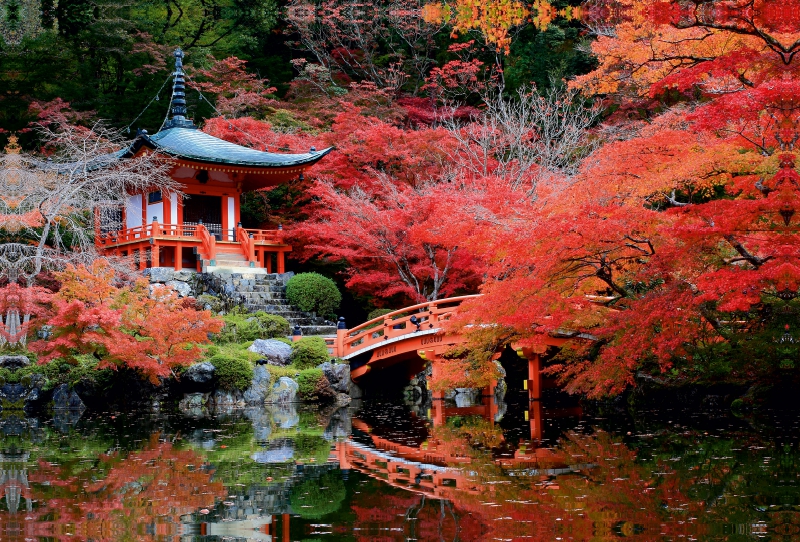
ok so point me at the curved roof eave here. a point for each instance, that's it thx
(192, 144)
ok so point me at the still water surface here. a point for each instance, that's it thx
(387, 472)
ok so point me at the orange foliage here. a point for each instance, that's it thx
(122, 325)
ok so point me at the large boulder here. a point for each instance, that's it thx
(160, 274)
(66, 399)
(338, 374)
(183, 288)
(259, 387)
(283, 391)
(273, 351)
(355, 391)
(200, 373)
(184, 274)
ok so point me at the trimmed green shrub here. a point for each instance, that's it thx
(378, 312)
(309, 352)
(233, 373)
(249, 327)
(272, 325)
(311, 292)
(313, 386)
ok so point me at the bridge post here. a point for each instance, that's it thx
(341, 335)
(435, 370)
(535, 376)
(534, 387)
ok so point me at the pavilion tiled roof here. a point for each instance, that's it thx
(194, 144)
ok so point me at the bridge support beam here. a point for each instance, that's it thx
(534, 387)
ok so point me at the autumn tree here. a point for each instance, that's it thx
(397, 241)
(389, 45)
(675, 252)
(51, 203)
(122, 325)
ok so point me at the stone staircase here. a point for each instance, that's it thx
(267, 292)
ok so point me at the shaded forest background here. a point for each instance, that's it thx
(109, 58)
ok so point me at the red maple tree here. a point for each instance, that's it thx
(122, 325)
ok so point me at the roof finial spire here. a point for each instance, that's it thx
(179, 119)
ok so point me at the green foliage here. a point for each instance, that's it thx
(312, 292)
(243, 327)
(313, 386)
(537, 56)
(378, 312)
(309, 352)
(311, 502)
(60, 371)
(233, 372)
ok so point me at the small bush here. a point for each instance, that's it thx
(313, 386)
(309, 352)
(272, 325)
(249, 327)
(311, 292)
(233, 372)
(378, 312)
(83, 369)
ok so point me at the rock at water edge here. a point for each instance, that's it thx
(275, 352)
(259, 387)
(66, 399)
(200, 373)
(338, 374)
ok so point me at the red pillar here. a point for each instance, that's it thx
(285, 525)
(281, 262)
(535, 377)
(178, 256)
(535, 417)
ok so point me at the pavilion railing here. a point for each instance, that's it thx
(208, 244)
(156, 229)
(140, 233)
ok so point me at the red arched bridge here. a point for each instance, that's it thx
(414, 336)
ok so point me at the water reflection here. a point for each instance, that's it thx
(377, 471)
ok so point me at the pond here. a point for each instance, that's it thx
(386, 471)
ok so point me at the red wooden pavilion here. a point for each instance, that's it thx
(200, 228)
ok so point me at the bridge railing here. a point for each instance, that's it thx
(425, 316)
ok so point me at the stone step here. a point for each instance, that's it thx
(261, 289)
(274, 297)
